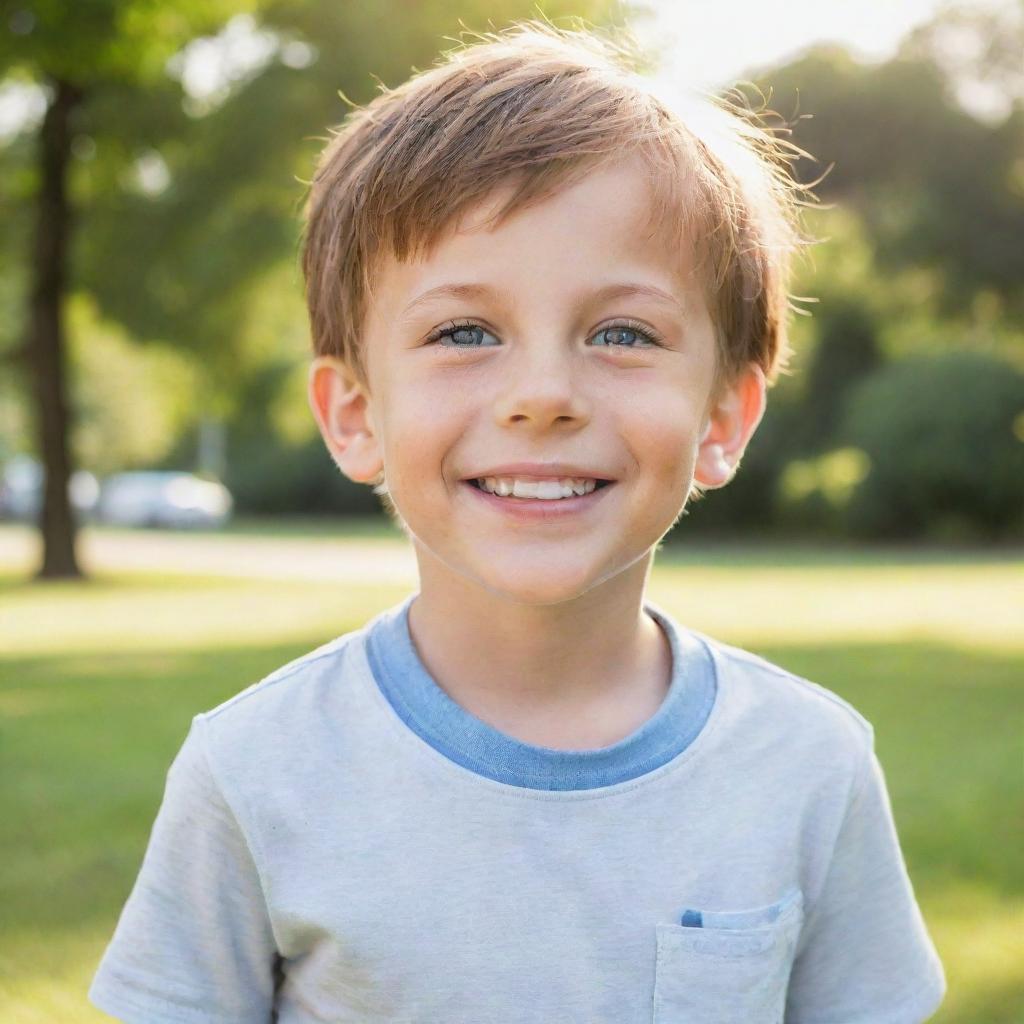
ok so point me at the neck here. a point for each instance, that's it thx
(582, 674)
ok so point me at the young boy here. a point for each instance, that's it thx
(545, 311)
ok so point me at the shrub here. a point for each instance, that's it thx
(814, 494)
(944, 437)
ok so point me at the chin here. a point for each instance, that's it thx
(538, 584)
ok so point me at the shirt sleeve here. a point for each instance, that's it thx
(865, 955)
(194, 943)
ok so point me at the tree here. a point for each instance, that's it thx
(938, 186)
(75, 52)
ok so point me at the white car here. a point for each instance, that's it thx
(21, 489)
(163, 498)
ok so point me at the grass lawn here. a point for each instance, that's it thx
(98, 683)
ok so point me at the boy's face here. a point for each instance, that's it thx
(573, 337)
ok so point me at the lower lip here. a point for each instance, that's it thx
(538, 509)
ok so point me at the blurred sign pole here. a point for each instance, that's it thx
(211, 450)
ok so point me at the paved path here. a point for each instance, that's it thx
(966, 604)
(326, 559)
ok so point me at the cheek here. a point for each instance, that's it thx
(424, 424)
(663, 434)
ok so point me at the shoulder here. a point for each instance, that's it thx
(779, 710)
(281, 683)
(288, 738)
(292, 707)
(791, 687)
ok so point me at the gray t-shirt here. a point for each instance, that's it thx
(343, 842)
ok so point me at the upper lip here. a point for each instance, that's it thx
(540, 470)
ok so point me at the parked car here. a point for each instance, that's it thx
(21, 489)
(163, 498)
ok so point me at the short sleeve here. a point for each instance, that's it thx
(865, 955)
(193, 944)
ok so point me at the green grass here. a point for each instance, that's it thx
(98, 682)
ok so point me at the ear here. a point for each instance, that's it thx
(342, 411)
(729, 425)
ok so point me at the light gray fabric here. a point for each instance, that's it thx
(315, 860)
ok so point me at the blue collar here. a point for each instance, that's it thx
(467, 740)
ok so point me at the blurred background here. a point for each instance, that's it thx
(172, 527)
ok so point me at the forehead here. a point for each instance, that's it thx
(609, 223)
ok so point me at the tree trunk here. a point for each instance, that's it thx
(45, 342)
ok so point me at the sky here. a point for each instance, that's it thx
(711, 43)
(705, 44)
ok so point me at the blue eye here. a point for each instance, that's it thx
(469, 335)
(462, 336)
(619, 336)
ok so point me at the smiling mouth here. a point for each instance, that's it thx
(598, 485)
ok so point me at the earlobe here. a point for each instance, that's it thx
(341, 409)
(730, 426)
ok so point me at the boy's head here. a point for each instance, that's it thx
(544, 196)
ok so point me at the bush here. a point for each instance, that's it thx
(814, 494)
(274, 478)
(944, 435)
(847, 353)
(270, 473)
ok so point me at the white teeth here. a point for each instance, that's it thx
(548, 490)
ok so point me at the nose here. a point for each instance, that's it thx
(543, 386)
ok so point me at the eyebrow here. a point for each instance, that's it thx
(608, 292)
(448, 291)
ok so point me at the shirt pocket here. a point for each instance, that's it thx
(734, 968)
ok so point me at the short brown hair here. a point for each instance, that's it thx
(538, 107)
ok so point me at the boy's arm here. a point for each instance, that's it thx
(194, 942)
(865, 956)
